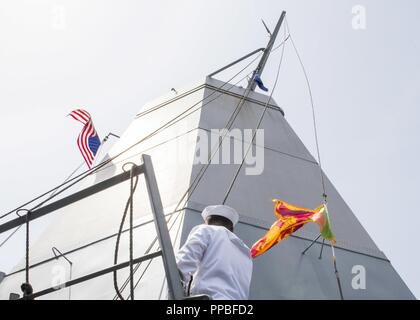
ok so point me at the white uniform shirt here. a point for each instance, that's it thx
(219, 261)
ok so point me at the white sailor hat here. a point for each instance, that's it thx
(221, 210)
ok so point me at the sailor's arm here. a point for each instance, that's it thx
(190, 255)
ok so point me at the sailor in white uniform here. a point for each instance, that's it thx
(213, 260)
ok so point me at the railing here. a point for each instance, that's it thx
(175, 289)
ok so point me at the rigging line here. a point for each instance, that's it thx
(281, 44)
(191, 112)
(26, 287)
(257, 127)
(10, 235)
(253, 60)
(147, 252)
(204, 168)
(54, 190)
(104, 140)
(47, 192)
(71, 174)
(168, 124)
(324, 195)
(92, 170)
(117, 243)
(27, 247)
(161, 106)
(131, 233)
(149, 249)
(151, 260)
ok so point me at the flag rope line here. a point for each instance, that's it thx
(324, 195)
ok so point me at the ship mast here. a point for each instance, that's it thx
(267, 51)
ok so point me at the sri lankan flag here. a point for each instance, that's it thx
(290, 219)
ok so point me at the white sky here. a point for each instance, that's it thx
(110, 57)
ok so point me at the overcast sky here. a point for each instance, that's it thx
(111, 57)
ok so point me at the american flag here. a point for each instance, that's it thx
(88, 140)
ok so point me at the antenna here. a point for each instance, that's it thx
(264, 58)
(266, 28)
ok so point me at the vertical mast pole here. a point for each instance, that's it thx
(264, 58)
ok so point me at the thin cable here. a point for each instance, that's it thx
(55, 189)
(163, 105)
(147, 251)
(10, 235)
(203, 170)
(324, 195)
(150, 260)
(27, 247)
(104, 140)
(257, 127)
(71, 174)
(117, 243)
(193, 186)
(131, 233)
(26, 287)
(281, 44)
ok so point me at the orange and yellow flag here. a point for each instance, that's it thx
(292, 218)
